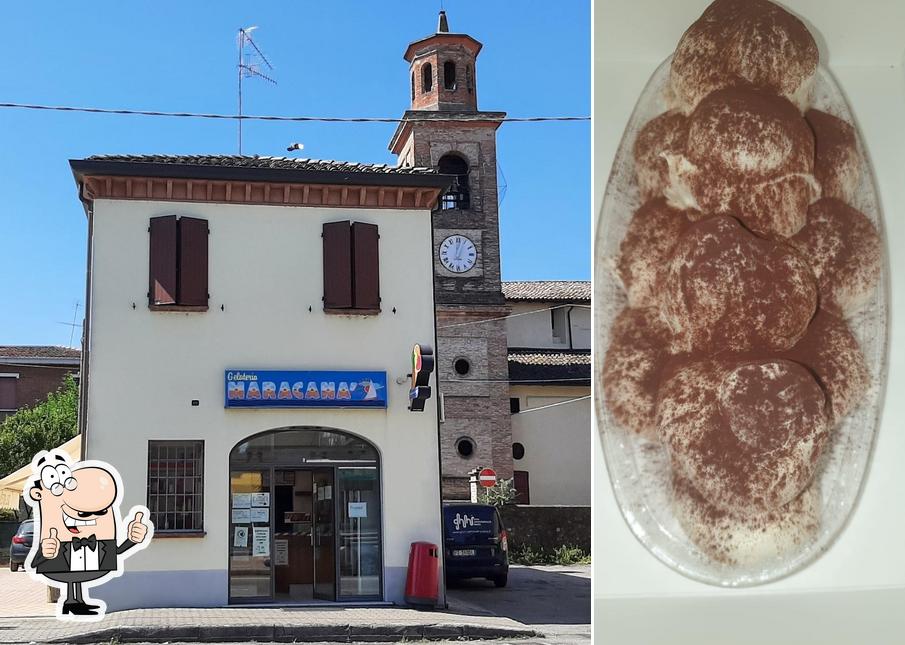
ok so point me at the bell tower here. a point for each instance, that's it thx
(444, 129)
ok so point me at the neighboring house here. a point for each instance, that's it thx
(549, 337)
(28, 373)
(249, 333)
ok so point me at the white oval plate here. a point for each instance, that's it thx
(638, 468)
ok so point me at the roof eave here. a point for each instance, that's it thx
(89, 167)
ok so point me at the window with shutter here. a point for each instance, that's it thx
(8, 393)
(337, 265)
(365, 267)
(178, 273)
(351, 268)
(162, 288)
(193, 234)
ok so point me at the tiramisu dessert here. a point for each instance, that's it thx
(740, 268)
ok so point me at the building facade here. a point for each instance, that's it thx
(549, 338)
(249, 332)
(28, 373)
(445, 130)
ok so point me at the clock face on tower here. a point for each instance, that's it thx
(458, 254)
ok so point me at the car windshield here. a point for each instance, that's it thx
(465, 523)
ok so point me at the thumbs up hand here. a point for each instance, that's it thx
(137, 531)
(50, 546)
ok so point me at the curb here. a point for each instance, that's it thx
(386, 633)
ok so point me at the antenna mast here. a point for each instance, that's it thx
(250, 66)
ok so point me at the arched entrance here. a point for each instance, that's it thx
(305, 517)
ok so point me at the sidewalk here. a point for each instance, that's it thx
(337, 624)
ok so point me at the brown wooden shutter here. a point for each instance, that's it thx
(337, 265)
(193, 234)
(162, 274)
(365, 266)
(8, 393)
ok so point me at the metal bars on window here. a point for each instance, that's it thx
(176, 485)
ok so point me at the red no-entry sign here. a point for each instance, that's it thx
(487, 478)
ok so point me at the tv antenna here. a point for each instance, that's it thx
(73, 325)
(250, 65)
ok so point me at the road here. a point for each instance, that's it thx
(555, 601)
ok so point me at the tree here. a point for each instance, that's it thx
(43, 426)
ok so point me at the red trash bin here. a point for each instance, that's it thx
(422, 584)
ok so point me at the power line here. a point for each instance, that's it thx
(521, 313)
(553, 405)
(259, 117)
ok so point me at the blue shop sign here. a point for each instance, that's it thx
(291, 389)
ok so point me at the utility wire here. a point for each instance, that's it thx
(553, 405)
(521, 313)
(259, 117)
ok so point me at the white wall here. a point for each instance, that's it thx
(536, 329)
(265, 271)
(557, 443)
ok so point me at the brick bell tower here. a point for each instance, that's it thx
(444, 129)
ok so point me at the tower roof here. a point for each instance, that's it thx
(442, 37)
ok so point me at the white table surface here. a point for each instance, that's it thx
(857, 588)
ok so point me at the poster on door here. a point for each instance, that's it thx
(280, 553)
(260, 541)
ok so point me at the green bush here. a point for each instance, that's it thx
(563, 555)
(501, 493)
(43, 426)
(8, 515)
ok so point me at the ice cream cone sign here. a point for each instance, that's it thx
(370, 389)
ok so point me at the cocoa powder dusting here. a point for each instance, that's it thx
(836, 160)
(664, 134)
(844, 251)
(651, 236)
(750, 154)
(639, 347)
(743, 41)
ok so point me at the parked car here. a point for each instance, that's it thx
(476, 543)
(21, 544)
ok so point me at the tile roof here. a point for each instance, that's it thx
(548, 290)
(553, 367)
(43, 352)
(274, 163)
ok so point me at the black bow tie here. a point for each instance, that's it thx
(90, 542)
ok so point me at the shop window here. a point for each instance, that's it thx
(465, 447)
(178, 272)
(449, 75)
(462, 366)
(176, 485)
(427, 78)
(458, 195)
(8, 392)
(351, 268)
(518, 451)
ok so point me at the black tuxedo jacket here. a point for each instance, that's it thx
(107, 550)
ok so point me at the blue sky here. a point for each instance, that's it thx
(331, 58)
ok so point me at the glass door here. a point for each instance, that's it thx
(358, 499)
(324, 535)
(249, 555)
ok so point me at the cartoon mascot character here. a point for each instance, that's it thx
(80, 537)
